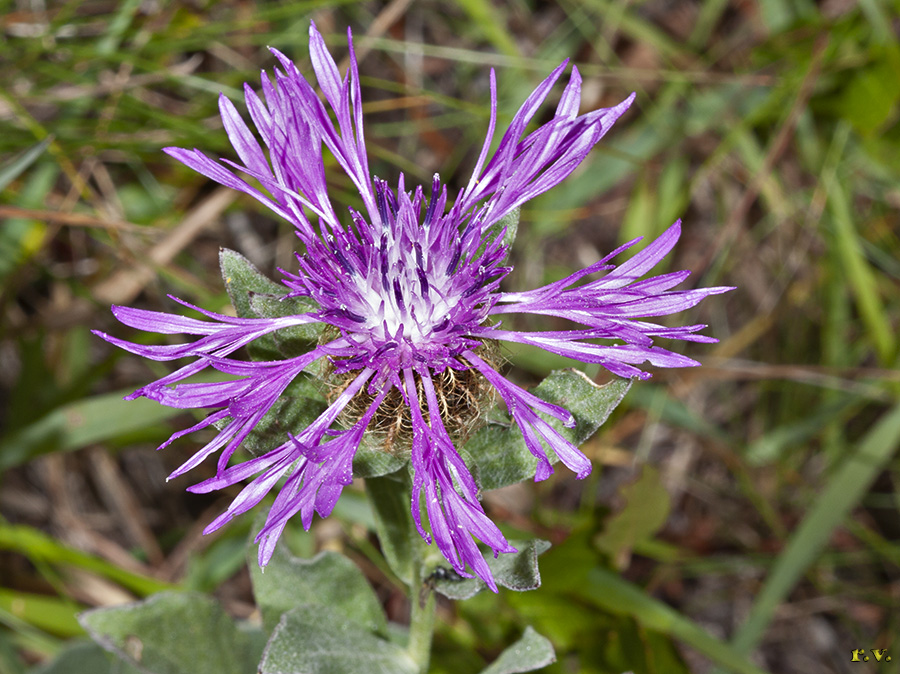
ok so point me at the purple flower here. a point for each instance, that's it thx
(409, 288)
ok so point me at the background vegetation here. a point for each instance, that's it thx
(744, 512)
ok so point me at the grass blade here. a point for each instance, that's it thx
(844, 491)
(39, 547)
(616, 595)
(859, 273)
(12, 169)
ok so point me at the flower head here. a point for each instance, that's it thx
(410, 289)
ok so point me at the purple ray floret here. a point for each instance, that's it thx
(409, 286)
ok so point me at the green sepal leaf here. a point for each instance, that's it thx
(498, 452)
(315, 639)
(529, 653)
(389, 497)
(254, 295)
(515, 570)
(175, 633)
(327, 580)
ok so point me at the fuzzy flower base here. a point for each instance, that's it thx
(410, 289)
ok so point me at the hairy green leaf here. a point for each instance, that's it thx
(328, 579)
(515, 570)
(82, 658)
(254, 295)
(498, 451)
(296, 409)
(175, 633)
(529, 653)
(316, 639)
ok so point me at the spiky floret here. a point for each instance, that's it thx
(409, 288)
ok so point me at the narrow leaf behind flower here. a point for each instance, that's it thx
(13, 168)
(50, 614)
(371, 461)
(41, 549)
(78, 424)
(579, 590)
(844, 491)
(616, 595)
(254, 295)
(508, 224)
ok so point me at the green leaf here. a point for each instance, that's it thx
(254, 295)
(498, 451)
(294, 410)
(175, 633)
(492, 23)
(293, 341)
(389, 497)
(85, 658)
(871, 96)
(10, 660)
(861, 276)
(22, 238)
(575, 580)
(510, 222)
(241, 278)
(640, 216)
(515, 570)
(771, 446)
(371, 460)
(529, 653)
(646, 509)
(315, 639)
(327, 580)
(616, 595)
(79, 658)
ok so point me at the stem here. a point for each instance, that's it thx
(421, 618)
(406, 554)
